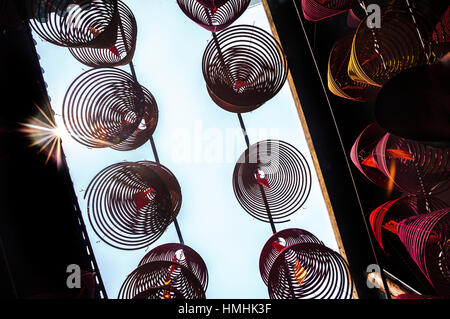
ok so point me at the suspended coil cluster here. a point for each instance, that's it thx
(339, 82)
(108, 108)
(214, 19)
(405, 165)
(244, 67)
(170, 271)
(294, 264)
(427, 239)
(119, 53)
(288, 175)
(131, 204)
(68, 23)
(315, 10)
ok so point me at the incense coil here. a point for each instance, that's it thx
(190, 259)
(378, 54)
(108, 108)
(244, 67)
(398, 210)
(67, 23)
(210, 19)
(314, 10)
(212, 4)
(427, 239)
(155, 280)
(122, 209)
(339, 83)
(269, 253)
(310, 271)
(287, 173)
(412, 167)
(121, 53)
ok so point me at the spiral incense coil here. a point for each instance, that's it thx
(75, 23)
(315, 10)
(282, 240)
(275, 171)
(121, 53)
(244, 67)
(161, 280)
(182, 254)
(214, 20)
(362, 154)
(339, 82)
(386, 216)
(378, 54)
(412, 167)
(108, 108)
(309, 271)
(427, 239)
(130, 204)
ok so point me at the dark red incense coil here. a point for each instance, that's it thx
(130, 204)
(412, 167)
(309, 271)
(394, 211)
(288, 237)
(427, 239)
(121, 52)
(214, 20)
(403, 42)
(284, 177)
(362, 154)
(339, 82)
(182, 254)
(69, 23)
(161, 280)
(108, 108)
(315, 10)
(244, 67)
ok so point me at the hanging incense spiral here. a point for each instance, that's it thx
(108, 108)
(275, 172)
(131, 204)
(244, 67)
(68, 23)
(214, 20)
(121, 52)
(315, 10)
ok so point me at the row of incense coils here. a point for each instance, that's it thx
(416, 224)
(131, 204)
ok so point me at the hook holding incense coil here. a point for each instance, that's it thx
(244, 67)
(67, 23)
(121, 52)
(275, 171)
(108, 108)
(214, 20)
(130, 204)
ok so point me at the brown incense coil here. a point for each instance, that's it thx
(244, 67)
(309, 271)
(315, 10)
(69, 23)
(211, 20)
(398, 210)
(412, 167)
(339, 82)
(108, 108)
(288, 237)
(403, 42)
(182, 254)
(161, 280)
(121, 53)
(362, 154)
(427, 239)
(287, 173)
(130, 204)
